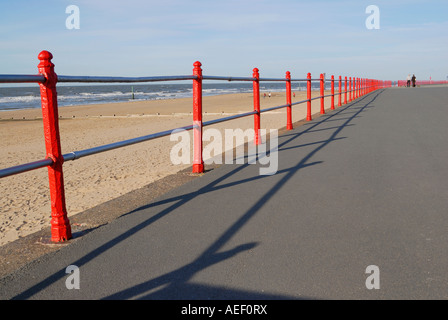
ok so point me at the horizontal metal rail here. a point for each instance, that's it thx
(228, 78)
(21, 78)
(299, 102)
(87, 152)
(205, 77)
(122, 79)
(241, 115)
(25, 167)
(272, 79)
(274, 108)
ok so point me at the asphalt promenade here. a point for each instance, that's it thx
(363, 185)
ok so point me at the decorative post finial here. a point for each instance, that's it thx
(256, 73)
(46, 68)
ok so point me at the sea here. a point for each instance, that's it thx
(14, 97)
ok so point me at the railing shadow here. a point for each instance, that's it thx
(171, 283)
(216, 185)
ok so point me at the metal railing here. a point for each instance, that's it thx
(47, 80)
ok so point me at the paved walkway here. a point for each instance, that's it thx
(366, 184)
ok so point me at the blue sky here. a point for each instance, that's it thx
(230, 38)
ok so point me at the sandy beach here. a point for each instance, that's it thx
(90, 181)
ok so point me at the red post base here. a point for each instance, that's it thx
(198, 168)
(60, 229)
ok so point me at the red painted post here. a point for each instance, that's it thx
(340, 92)
(359, 86)
(322, 93)
(350, 90)
(308, 97)
(198, 163)
(288, 101)
(345, 93)
(332, 93)
(256, 88)
(60, 225)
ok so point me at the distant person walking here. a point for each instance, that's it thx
(408, 80)
(413, 80)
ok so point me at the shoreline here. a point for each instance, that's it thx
(91, 181)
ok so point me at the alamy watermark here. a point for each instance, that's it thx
(373, 20)
(373, 280)
(73, 20)
(224, 145)
(73, 280)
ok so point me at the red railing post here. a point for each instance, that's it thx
(332, 93)
(198, 163)
(60, 225)
(345, 93)
(340, 92)
(308, 97)
(256, 89)
(350, 90)
(288, 101)
(322, 93)
(359, 87)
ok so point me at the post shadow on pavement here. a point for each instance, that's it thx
(174, 284)
(281, 146)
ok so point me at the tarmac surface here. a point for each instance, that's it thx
(360, 199)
